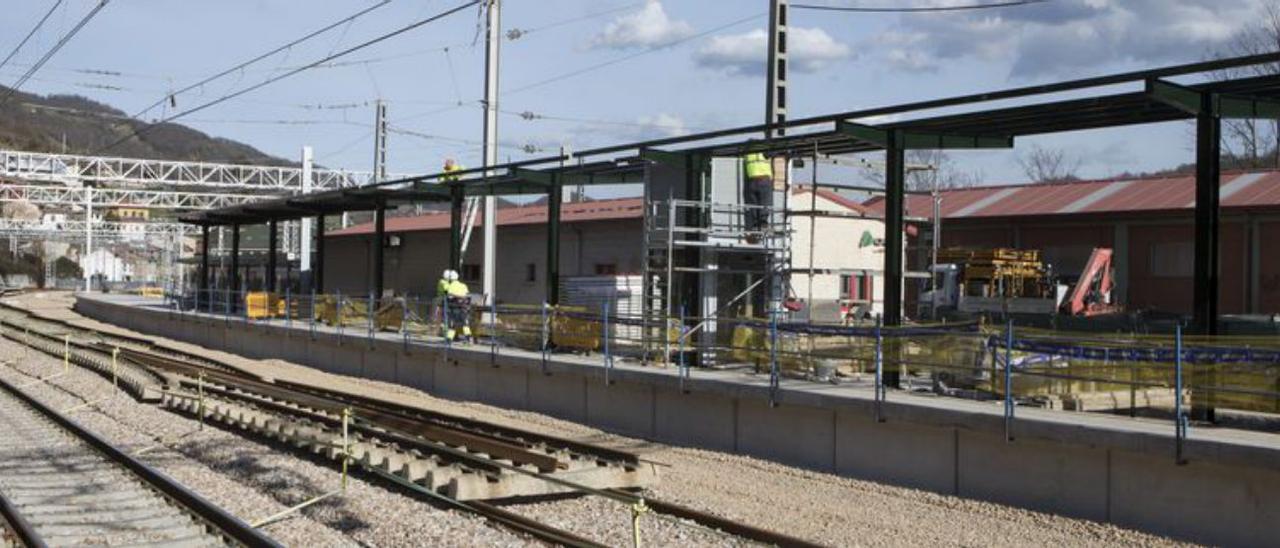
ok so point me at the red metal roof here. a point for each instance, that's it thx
(1238, 189)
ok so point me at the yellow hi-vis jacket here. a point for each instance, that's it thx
(442, 287)
(449, 170)
(757, 166)
(458, 289)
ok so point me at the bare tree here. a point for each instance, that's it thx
(927, 168)
(1252, 143)
(1044, 165)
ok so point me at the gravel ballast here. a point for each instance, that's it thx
(259, 479)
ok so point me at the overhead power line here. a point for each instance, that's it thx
(295, 71)
(921, 9)
(628, 57)
(39, 24)
(295, 42)
(518, 33)
(49, 55)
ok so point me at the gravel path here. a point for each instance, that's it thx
(820, 507)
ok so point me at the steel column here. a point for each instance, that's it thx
(235, 260)
(895, 190)
(1208, 174)
(204, 265)
(1205, 285)
(379, 245)
(554, 196)
(895, 200)
(273, 233)
(455, 226)
(318, 269)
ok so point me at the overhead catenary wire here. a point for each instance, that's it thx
(518, 33)
(34, 29)
(628, 57)
(279, 49)
(264, 83)
(54, 50)
(918, 9)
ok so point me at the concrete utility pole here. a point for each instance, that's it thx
(88, 237)
(380, 142)
(304, 239)
(776, 93)
(493, 38)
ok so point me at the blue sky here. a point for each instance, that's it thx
(664, 67)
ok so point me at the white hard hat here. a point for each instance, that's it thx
(451, 275)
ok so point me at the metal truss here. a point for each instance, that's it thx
(71, 169)
(74, 230)
(117, 197)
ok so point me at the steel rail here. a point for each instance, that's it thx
(496, 514)
(230, 526)
(22, 530)
(431, 432)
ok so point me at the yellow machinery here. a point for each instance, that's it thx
(998, 272)
(260, 304)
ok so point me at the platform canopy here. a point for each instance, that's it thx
(1090, 103)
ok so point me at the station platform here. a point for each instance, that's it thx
(1099, 467)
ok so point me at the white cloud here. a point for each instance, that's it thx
(1065, 37)
(647, 28)
(808, 50)
(665, 124)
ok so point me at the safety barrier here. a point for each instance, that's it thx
(1021, 366)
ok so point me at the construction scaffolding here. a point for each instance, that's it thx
(704, 258)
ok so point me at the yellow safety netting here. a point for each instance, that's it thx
(1086, 371)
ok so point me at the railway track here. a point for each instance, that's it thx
(458, 461)
(61, 485)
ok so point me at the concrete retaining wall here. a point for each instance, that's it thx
(1100, 468)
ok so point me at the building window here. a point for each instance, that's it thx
(531, 272)
(1172, 259)
(606, 269)
(470, 273)
(856, 287)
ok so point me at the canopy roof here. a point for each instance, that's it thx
(1094, 104)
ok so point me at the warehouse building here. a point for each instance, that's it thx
(605, 238)
(1147, 221)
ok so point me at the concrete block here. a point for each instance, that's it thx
(502, 386)
(341, 359)
(800, 436)
(417, 370)
(1050, 477)
(1200, 501)
(455, 377)
(901, 453)
(696, 419)
(623, 408)
(563, 396)
(294, 348)
(379, 365)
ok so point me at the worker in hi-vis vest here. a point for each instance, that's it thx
(757, 190)
(455, 297)
(450, 167)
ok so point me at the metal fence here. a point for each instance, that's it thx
(1160, 375)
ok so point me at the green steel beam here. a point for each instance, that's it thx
(662, 156)
(914, 140)
(1188, 100)
(531, 176)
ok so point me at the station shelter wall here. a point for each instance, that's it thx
(414, 267)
